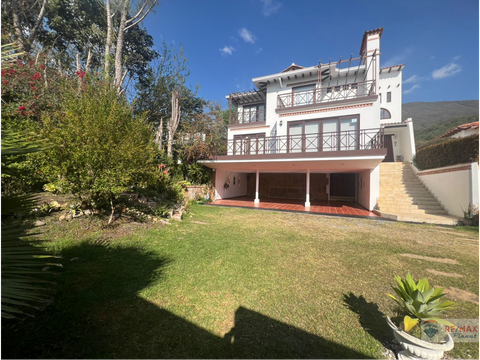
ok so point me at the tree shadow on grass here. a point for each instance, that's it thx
(372, 320)
(98, 313)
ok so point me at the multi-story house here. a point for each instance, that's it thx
(316, 133)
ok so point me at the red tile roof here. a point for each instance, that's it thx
(457, 129)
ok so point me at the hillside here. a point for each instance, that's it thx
(431, 119)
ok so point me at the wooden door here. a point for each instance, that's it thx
(389, 145)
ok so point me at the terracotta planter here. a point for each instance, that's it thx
(416, 348)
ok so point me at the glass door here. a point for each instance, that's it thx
(295, 138)
(312, 143)
(330, 135)
(349, 134)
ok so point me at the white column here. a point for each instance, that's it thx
(307, 201)
(257, 200)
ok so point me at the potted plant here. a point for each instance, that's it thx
(419, 302)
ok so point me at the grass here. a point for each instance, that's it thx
(246, 284)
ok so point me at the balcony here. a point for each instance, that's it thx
(307, 145)
(325, 94)
(248, 117)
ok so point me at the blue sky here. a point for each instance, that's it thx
(229, 42)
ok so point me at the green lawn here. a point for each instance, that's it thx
(245, 283)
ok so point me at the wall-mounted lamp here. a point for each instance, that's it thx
(281, 122)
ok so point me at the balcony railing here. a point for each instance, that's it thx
(326, 94)
(247, 117)
(307, 143)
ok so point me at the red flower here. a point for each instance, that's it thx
(5, 82)
(42, 67)
(80, 74)
(4, 73)
(22, 108)
(165, 172)
(31, 83)
(36, 76)
(33, 88)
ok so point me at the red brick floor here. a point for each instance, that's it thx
(323, 207)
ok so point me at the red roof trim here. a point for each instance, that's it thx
(378, 31)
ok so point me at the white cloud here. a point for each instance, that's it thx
(270, 7)
(227, 50)
(446, 71)
(432, 57)
(397, 59)
(416, 86)
(258, 51)
(457, 57)
(412, 79)
(247, 36)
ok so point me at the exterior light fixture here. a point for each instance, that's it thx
(281, 122)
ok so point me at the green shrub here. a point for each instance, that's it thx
(451, 152)
(98, 147)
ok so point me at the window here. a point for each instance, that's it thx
(389, 97)
(253, 113)
(303, 95)
(380, 95)
(385, 114)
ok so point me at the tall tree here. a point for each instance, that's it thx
(154, 91)
(174, 120)
(140, 9)
(25, 18)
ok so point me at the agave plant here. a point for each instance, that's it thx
(420, 302)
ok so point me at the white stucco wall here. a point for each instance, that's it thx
(239, 189)
(391, 82)
(455, 190)
(465, 133)
(403, 140)
(368, 188)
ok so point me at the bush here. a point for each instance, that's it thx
(98, 147)
(451, 152)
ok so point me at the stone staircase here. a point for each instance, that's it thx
(403, 197)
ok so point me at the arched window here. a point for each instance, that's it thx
(385, 114)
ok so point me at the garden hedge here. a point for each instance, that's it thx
(451, 152)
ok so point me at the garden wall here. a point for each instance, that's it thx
(455, 187)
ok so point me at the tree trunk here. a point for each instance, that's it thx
(174, 120)
(89, 59)
(159, 135)
(37, 26)
(119, 47)
(18, 30)
(108, 42)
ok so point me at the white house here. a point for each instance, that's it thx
(316, 133)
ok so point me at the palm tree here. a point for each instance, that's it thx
(25, 286)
